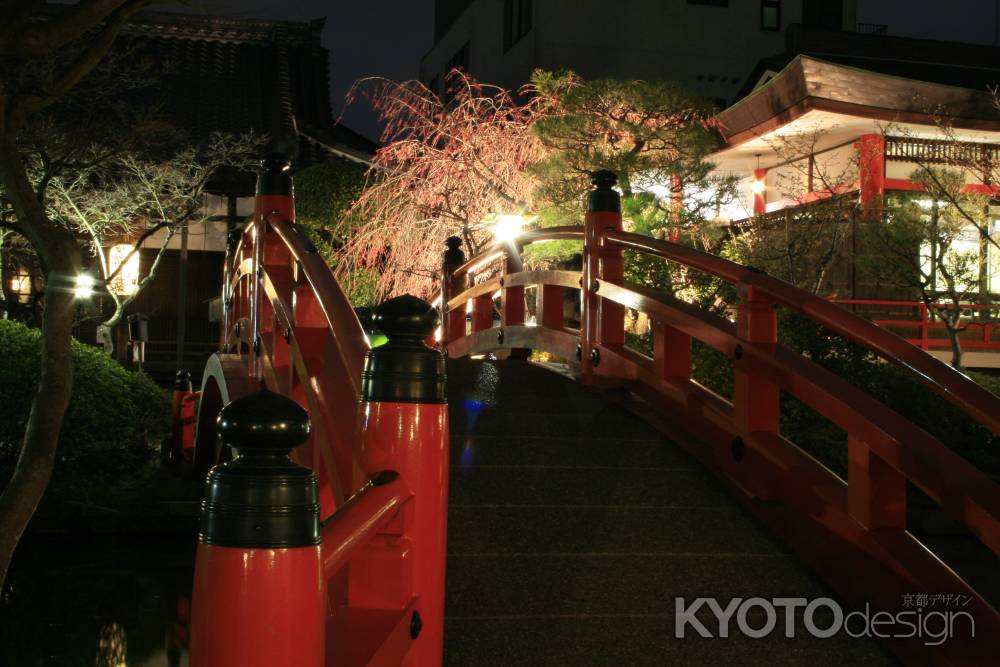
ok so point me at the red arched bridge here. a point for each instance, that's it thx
(611, 510)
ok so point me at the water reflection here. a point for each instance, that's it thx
(98, 602)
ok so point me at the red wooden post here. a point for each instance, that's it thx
(512, 298)
(871, 171)
(512, 308)
(671, 352)
(452, 285)
(405, 429)
(759, 191)
(549, 306)
(876, 492)
(755, 397)
(603, 322)
(482, 312)
(259, 595)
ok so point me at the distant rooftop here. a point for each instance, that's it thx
(972, 66)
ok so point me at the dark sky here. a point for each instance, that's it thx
(365, 38)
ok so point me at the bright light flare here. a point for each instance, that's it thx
(758, 187)
(84, 286)
(508, 227)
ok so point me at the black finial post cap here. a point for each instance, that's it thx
(182, 381)
(264, 422)
(604, 179)
(404, 370)
(603, 197)
(275, 177)
(261, 499)
(406, 317)
(453, 256)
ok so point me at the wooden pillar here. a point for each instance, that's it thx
(755, 396)
(871, 172)
(876, 492)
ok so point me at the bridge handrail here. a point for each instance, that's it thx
(562, 233)
(339, 313)
(944, 380)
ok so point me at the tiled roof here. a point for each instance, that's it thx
(810, 83)
(244, 75)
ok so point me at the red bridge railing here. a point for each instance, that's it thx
(333, 556)
(854, 531)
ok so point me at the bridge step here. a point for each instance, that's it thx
(573, 526)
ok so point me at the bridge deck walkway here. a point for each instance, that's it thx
(573, 526)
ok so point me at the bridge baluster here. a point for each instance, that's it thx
(876, 492)
(549, 306)
(671, 352)
(755, 396)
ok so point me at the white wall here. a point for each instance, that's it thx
(710, 49)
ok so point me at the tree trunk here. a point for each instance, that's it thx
(24, 491)
(956, 347)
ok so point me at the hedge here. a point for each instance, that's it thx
(112, 429)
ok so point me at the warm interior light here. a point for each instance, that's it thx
(508, 227)
(126, 281)
(758, 187)
(84, 286)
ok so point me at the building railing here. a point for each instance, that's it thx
(906, 318)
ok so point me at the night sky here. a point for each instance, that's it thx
(364, 38)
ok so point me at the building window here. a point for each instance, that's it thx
(770, 14)
(711, 3)
(516, 21)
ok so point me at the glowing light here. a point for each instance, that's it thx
(20, 285)
(508, 227)
(126, 281)
(84, 287)
(758, 187)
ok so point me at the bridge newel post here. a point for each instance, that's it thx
(259, 595)
(451, 285)
(603, 321)
(404, 427)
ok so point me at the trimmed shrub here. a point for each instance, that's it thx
(110, 437)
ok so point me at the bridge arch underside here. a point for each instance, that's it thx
(851, 532)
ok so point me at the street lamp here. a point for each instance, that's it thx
(83, 287)
(20, 285)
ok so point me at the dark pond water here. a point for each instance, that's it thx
(98, 601)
